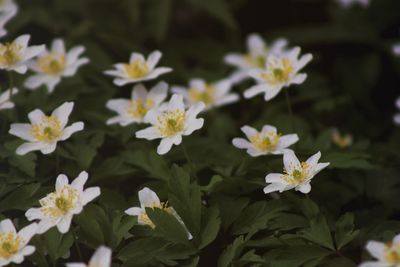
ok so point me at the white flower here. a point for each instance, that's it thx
(280, 71)
(8, 9)
(138, 69)
(296, 175)
(100, 258)
(266, 142)
(133, 110)
(51, 66)
(58, 208)
(340, 140)
(212, 95)
(44, 132)
(349, 3)
(5, 102)
(14, 55)
(396, 49)
(149, 199)
(170, 122)
(257, 53)
(396, 117)
(14, 246)
(387, 254)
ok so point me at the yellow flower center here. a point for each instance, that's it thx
(59, 203)
(392, 253)
(139, 107)
(279, 74)
(52, 64)
(297, 176)
(48, 130)
(9, 244)
(144, 218)
(265, 141)
(207, 96)
(10, 54)
(136, 69)
(171, 122)
(256, 61)
(342, 140)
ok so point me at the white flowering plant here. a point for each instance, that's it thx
(199, 133)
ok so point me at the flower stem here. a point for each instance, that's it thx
(192, 167)
(77, 245)
(289, 106)
(10, 83)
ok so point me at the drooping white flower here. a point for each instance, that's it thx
(387, 254)
(256, 56)
(51, 66)
(266, 142)
(296, 174)
(149, 199)
(212, 95)
(280, 71)
(14, 55)
(396, 117)
(100, 258)
(138, 69)
(349, 3)
(44, 132)
(8, 9)
(134, 110)
(396, 49)
(58, 207)
(340, 140)
(14, 245)
(170, 122)
(5, 102)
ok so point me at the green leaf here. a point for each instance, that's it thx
(345, 232)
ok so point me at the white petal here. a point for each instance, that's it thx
(376, 249)
(176, 102)
(236, 60)
(48, 148)
(101, 257)
(149, 133)
(76, 265)
(62, 180)
(135, 211)
(274, 178)
(28, 147)
(148, 198)
(193, 125)
(249, 131)
(375, 264)
(90, 193)
(274, 187)
(33, 214)
(139, 91)
(136, 56)
(73, 128)
(166, 144)
(28, 250)
(157, 72)
(255, 90)
(7, 226)
(255, 44)
(45, 225)
(63, 112)
(272, 92)
(153, 59)
(22, 130)
(23, 40)
(194, 110)
(287, 140)
(35, 81)
(304, 188)
(118, 105)
(74, 54)
(304, 60)
(79, 182)
(290, 161)
(159, 92)
(58, 46)
(269, 129)
(64, 224)
(36, 116)
(33, 51)
(241, 143)
(28, 232)
(299, 78)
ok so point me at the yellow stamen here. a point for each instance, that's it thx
(207, 96)
(10, 53)
(52, 64)
(136, 69)
(144, 218)
(297, 176)
(48, 130)
(171, 122)
(265, 141)
(139, 107)
(59, 203)
(279, 74)
(255, 61)
(9, 244)
(342, 141)
(392, 253)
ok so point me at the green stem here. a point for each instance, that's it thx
(289, 106)
(10, 83)
(188, 160)
(77, 246)
(57, 162)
